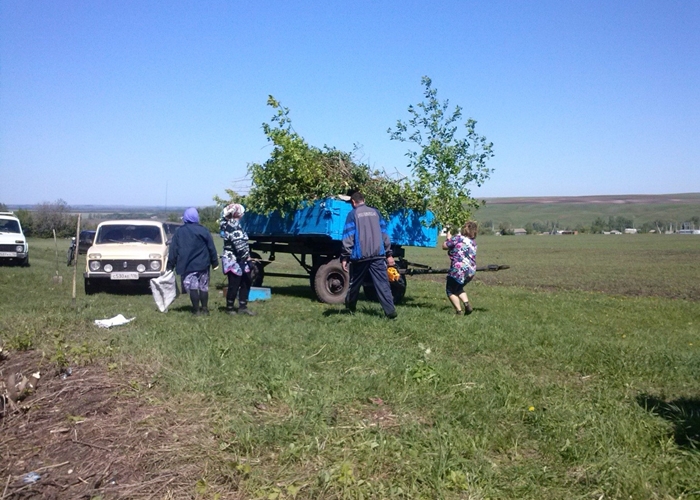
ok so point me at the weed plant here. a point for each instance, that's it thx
(565, 393)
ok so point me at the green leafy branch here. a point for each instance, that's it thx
(445, 164)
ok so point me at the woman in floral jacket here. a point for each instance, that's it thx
(235, 259)
(461, 249)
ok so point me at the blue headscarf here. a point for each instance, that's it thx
(191, 216)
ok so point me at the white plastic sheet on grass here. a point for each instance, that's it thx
(119, 319)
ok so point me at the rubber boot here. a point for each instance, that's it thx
(229, 308)
(243, 308)
(204, 300)
(468, 308)
(194, 298)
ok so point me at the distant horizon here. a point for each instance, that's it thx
(601, 198)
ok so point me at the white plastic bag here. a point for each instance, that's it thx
(165, 290)
(119, 319)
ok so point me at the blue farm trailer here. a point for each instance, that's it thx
(313, 235)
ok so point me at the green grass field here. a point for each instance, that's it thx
(567, 214)
(577, 376)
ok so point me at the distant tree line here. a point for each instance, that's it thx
(46, 218)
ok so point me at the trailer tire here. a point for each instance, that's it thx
(330, 282)
(257, 270)
(398, 290)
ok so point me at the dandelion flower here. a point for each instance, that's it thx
(532, 408)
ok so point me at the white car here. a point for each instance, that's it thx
(13, 245)
(127, 252)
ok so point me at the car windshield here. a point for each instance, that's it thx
(9, 226)
(170, 228)
(87, 236)
(128, 233)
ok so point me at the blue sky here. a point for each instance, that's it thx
(154, 102)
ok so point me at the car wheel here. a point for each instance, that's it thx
(25, 262)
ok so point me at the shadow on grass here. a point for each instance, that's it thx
(361, 311)
(12, 263)
(301, 291)
(180, 309)
(305, 292)
(125, 290)
(480, 310)
(683, 413)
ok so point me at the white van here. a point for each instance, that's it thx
(13, 245)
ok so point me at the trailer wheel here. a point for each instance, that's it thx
(398, 290)
(257, 270)
(330, 282)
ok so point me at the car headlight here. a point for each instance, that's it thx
(155, 265)
(108, 268)
(19, 249)
(94, 265)
(140, 268)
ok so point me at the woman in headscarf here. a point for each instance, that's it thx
(191, 253)
(235, 259)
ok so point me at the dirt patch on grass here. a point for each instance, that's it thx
(101, 433)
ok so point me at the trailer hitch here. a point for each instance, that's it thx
(416, 268)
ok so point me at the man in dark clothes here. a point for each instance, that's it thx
(191, 253)
(366, 246)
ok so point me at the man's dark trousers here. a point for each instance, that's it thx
(378, 272)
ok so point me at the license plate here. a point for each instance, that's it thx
(8, 254)
(124, 276)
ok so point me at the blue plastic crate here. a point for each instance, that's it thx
(259, 293)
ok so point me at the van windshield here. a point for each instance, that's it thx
(128, 233)
(9, 226)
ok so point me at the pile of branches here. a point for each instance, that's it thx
(297, 174)
(446, 157)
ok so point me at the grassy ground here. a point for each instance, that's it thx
(630, 265)
(563, 393)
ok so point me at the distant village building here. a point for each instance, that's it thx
(630, 230)
(688, 228)
(519, 231)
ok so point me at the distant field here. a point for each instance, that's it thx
(571, 211)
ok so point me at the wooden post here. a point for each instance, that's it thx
(75, 266)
